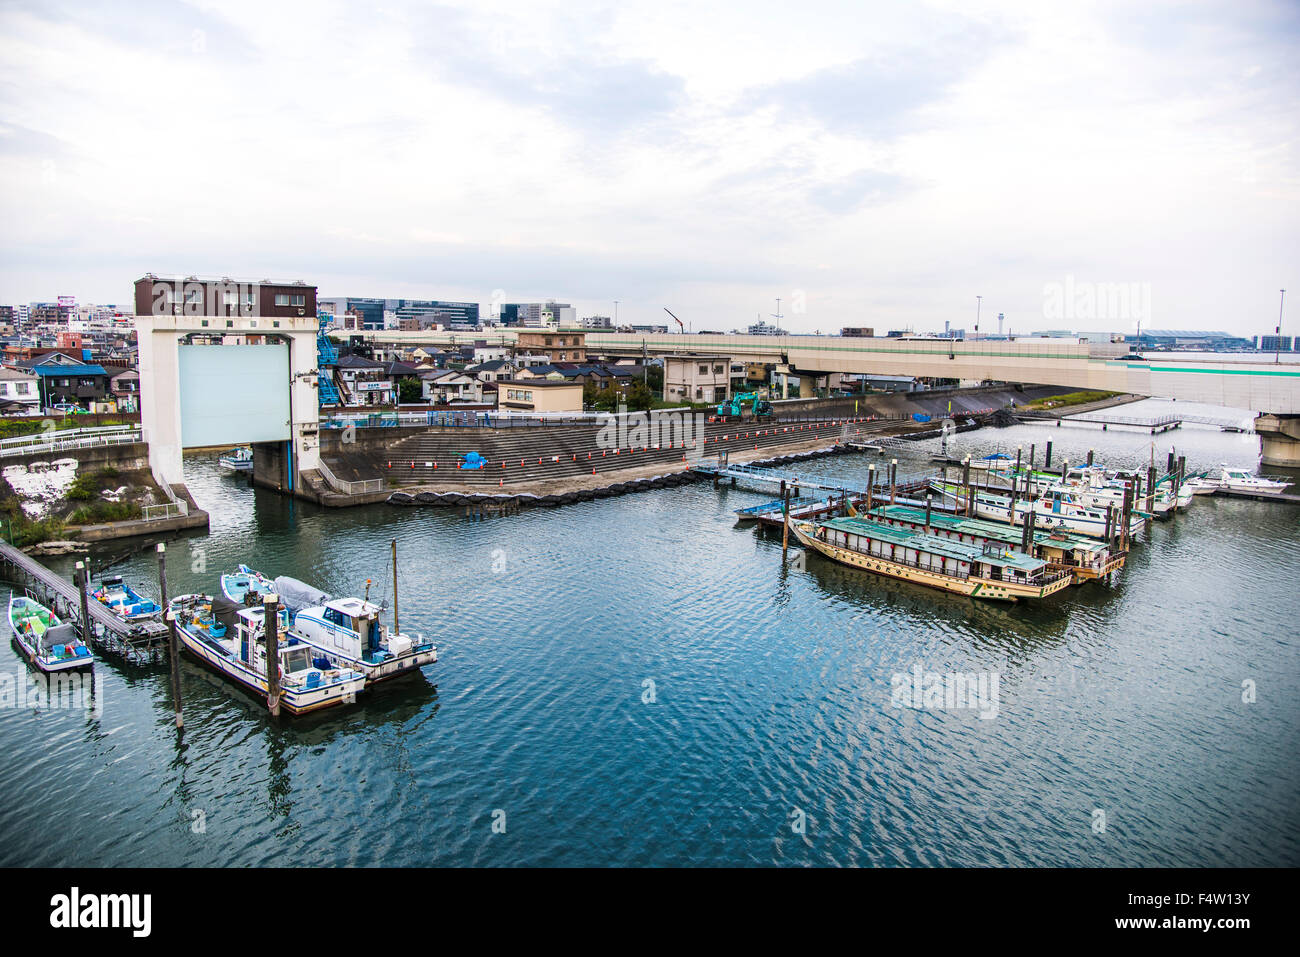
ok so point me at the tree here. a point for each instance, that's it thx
(409, 391)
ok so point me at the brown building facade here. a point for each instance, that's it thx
(566, 346)
(196, 296)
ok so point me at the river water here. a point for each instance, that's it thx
(637, 681)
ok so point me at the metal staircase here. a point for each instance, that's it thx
(326, 359)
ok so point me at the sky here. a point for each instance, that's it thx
(1073, 165)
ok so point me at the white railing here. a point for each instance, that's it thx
(70, 439)
(349, 488)
(154, 513)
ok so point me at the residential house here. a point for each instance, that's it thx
(364, 382)
(493, 371)
(449, 385)
(65, 379)
(539, 395)
(20, 388)
(124, 387)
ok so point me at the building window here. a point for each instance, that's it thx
(230, 298)
(282, 299)
(276, 323)
(203, 322)
(717, 370)
(704, 370)
(22, 388)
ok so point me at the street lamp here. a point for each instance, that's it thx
(1277, 333)
(979, 301)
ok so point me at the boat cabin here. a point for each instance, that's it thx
(349, 626)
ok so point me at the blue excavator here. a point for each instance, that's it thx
(761, 408)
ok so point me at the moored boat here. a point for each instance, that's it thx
(124, 601)
(1236, 480)
(348, 632)
(989, 571)
(244, 585)
(231, 640)
(46, 641)
(1057, 508)
(1084, 558)
(239, 459)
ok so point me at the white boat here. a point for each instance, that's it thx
(46, 641)
(1057, 508)
(231, 640)
(1235, 480)
(348, 632)
(239, 459)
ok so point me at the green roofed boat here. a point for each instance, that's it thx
(990, 570)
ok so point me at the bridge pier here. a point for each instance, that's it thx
(1279, 437)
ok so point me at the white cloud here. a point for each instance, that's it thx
(890, 164)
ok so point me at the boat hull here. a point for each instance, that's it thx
(974, 587)
(48, 664)
(291, 700)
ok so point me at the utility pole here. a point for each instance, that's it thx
(979, 301)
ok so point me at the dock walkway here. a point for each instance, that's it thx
(110, 630)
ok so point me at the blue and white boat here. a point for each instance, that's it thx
(238, 459)
(124, 601)
(46, 641)
(231, 640)
(243, 582)
(348, 633)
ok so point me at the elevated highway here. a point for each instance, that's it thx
(1268, 388)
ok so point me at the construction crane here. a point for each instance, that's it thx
(679, 322)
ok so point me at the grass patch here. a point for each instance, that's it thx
(1069, 398)
(101, 512)
(19, 530)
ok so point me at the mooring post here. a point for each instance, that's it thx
(893, 480)
(173, 643)
(82, 585)
(1090, 458)
(1032, 447)
(1151, 491)
(927, 513)
(1182, 474)
(785, 521)
(271, 631)
(1047, 462)
(871, 486)
(965, 481)
(1027, 532)
(1169, 462)
(1110, 524)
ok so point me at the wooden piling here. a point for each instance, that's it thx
(785, 521)
(965, 481)
(1047, 463)
(871, 486)
(271, 632)
(173, 642)
(1151, 491)
(1090, 458)
(1027, 532)
(893, 480)
(82, 585)
(927, 513)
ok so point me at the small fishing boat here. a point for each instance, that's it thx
(45, 640)
(238, 459)
(989, 571)
(347, 632)
(231, 640)
(245, 586)
(124, 601)
(1236, 480)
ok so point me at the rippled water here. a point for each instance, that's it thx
(772, 693)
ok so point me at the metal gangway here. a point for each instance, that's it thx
(799, 481)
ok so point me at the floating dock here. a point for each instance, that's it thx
(135, 641)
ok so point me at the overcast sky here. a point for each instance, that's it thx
(871, 164)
